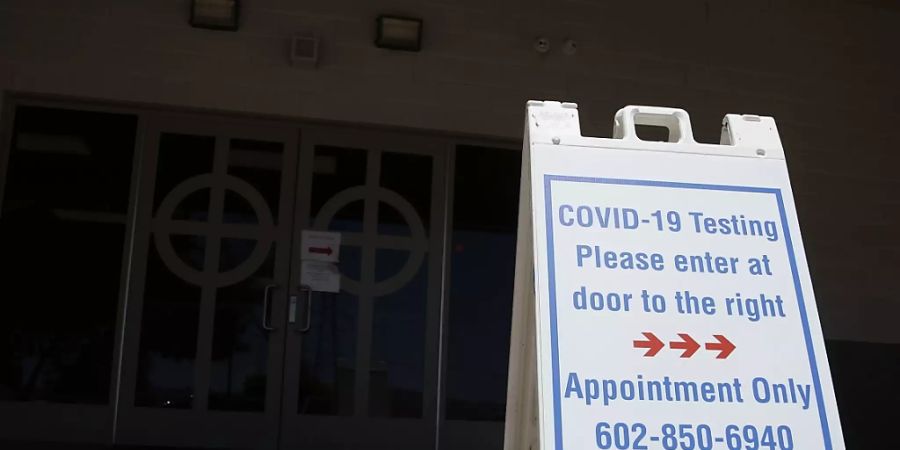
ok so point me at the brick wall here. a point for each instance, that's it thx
(825, 69)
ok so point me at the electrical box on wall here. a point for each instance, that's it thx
(304, 50)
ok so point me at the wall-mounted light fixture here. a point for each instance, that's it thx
(215, 14)
(398, 33)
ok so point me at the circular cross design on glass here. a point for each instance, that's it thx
(165, 226)
(416, 243)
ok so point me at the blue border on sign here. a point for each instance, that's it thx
(548, 179)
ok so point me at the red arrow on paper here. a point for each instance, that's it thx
(652, 344)
(724, 346)
(322, 250)
(688, 344)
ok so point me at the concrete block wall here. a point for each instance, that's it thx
(826, 70)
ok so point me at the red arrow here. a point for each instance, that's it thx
(322, 250)
(652, 344)
(724, 346)
(688, 344)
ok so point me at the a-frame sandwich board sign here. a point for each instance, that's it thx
(662, 295)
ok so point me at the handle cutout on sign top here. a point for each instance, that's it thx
(676, 120)
(654, 133)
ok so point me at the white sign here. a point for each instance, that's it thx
(322, 246)
(671, 302)
(320, 276)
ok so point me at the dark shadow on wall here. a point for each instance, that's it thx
(866, 385)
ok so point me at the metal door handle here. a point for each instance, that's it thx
(308, 308)
(265, 311)
(292, 309)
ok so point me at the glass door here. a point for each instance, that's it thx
(204, 336)
(169, 320)
(361, 366)
(216, 355)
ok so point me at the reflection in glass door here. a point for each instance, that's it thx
(203, 344)
(361, 366)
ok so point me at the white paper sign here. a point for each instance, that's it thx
(322, 246)
(320, 276)
(674, 307)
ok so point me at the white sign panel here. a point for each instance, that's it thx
(673, 304)
(320, 276)
(324, 246)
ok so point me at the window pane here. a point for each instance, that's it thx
(169, 329)
(409, 176)
(259, 164)
(483, 254)
(70, 160)
(336, 169)
(397, 367)
(328, 358)
(240, 344)
(62, 225)
(181, 157)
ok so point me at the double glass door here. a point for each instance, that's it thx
(221, 345)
